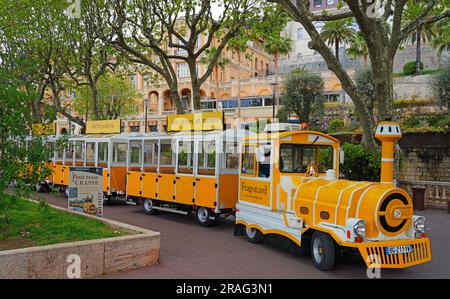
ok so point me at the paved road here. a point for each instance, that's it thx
(191, 251)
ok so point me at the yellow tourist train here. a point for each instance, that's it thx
(281, 182)
(289, 187)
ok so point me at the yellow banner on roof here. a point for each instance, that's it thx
(205, 121)
(43, 129)
(103, 126)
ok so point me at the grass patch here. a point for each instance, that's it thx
(24, 224)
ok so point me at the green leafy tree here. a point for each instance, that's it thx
(22, 159)
(302, 95)
(425, 33)
(115, 98)
(383, 30)
(337, 32)
(358, 47)
(158, 33)
(442, 40)
(31, 37)
(85, 56)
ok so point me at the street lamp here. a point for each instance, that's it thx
(146, 101)
(274, 86)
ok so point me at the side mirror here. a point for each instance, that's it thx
(260, 155)
(341, 156)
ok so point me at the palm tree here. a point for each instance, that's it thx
(337, 32)
(277, 46)
(358, 48)
(442, 39)
(423, 33)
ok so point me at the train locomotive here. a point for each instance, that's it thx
(302, 199)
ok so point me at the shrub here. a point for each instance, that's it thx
(441, 88)
(410, 67)
(366, 87)
(336, 124)
(360, 164)
(302, 95)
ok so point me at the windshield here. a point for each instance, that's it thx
(295, 158)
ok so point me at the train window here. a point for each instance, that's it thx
(120, 152)
(103, 152)
(69, 152)
(59, 152)
(296, 158)
(207, 158)
(79, 150)
(90, 152)
(264, 163)
(248, 160)
(50, 146)
(325, 158)
(150, 153)
(135, 152)
(166, 154)
(185, 157)
(231, 156)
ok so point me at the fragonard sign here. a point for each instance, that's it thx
(86, 190)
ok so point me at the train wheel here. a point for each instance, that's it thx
(253, 235)
(323, 251)
(148, 207)
(39, 188)
(203, 215)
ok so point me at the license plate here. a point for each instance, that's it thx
(399, 249)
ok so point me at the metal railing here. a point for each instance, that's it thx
(437, 194)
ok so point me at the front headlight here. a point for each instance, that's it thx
(360, 228)
(419, 224)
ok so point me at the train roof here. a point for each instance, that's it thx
(279, 135)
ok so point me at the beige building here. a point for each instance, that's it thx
(219, 92)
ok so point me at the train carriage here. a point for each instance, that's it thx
(106, 151)
(185, 172)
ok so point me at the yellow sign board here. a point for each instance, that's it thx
(205, 121)
(103, 126)
(44, 129)
(255, 191)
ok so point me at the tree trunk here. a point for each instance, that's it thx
(336, 45)
(95, 101)
(216, 70)
(239, 85)
(277, 71)
(196, 97)
(175, 96)
(384, 87)
(418, 51)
